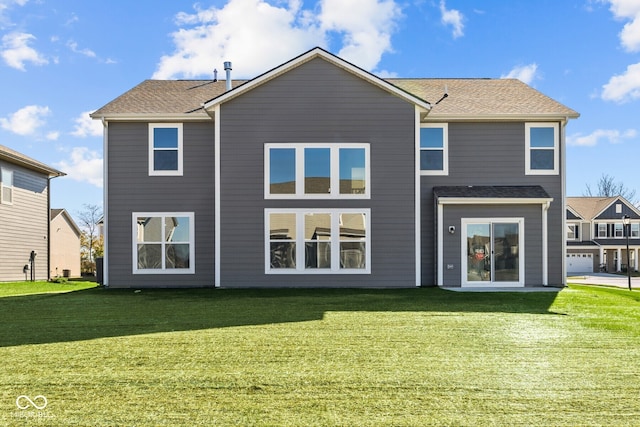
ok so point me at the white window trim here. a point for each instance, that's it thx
(3, 186)
(602, 227)
(576, 235)
(445, 149)
(152, 171)
(618, 226)
(637, 231)
(556, 149)
(334, 172)
(192, 243)
(521, 248)
(300, 241)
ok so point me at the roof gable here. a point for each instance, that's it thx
(306, 57)
(64, 214)
(590, 208)
(20, 159)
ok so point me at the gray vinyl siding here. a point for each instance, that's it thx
(318, 102)
(24, 225)
(532, 250)
(131, 189)
(491, 154)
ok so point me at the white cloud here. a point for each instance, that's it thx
(83, 165)
(16, 51)
(630, 34)
(623, 87)
(524, 73)
(26, 121)
(454, 18)
(86, 126)
(365, 26)
(613, 136)
(74, 48)
(53, 135)
(257, 35)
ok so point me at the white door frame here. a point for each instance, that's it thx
(463, 252)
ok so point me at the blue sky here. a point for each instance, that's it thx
(60, 60)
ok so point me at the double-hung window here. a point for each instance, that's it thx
(163, 243)
(572, 232)
(618, 229)
(316, 171)
(434, 157)
(542, 149)
(602, 231)
(317, 241)
(635, 230)
(6, 186)
(165, 149)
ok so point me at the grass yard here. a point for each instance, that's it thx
(412, 357)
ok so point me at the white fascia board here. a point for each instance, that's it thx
(493, 201)
(306, 57)
(151, 117)
(435, 117)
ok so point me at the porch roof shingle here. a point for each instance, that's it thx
(492, 191)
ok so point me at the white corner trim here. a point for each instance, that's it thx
(440, 234)
(416, 201)
(216, 208)
(105, 208)
(545, 244)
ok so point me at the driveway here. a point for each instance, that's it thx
(606, 279)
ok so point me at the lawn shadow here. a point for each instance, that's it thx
(100, 313)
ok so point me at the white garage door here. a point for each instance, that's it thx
(579, 263)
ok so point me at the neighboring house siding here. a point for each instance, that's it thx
(131, 189)
(324, 104)
(610, 212)
(492, 154)
(24, 225)
(65, 247)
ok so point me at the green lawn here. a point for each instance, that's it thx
(314, 357)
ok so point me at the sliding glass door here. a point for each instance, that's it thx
(492, 252)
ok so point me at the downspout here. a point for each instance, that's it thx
(563, 174)
(105, 206)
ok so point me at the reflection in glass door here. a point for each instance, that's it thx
(493, 252)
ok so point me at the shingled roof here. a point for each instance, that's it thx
(15, 157)
(467, 98)
(589, 207)
(492, 192)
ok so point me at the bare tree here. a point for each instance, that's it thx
(88, 219)
(608, 187)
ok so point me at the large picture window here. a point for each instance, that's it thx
(165, 149)
(434, 158)
(317, 171)
(317, 241)
(6, 186)
(163, 243)
(542, 149)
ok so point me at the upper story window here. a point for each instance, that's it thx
(316, 171)
(635, 230)
(165, 148)
(317, 241)
(572, 231)
(618, 229)
(163, 243)
(542, 149)
(434, 150)
(602, 230)
(6, 186)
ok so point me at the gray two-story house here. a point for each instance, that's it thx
(598, 231)
(318, 173)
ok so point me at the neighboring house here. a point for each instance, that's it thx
(597, 236)
(65, 245)
(24, 216)
(318, 173)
